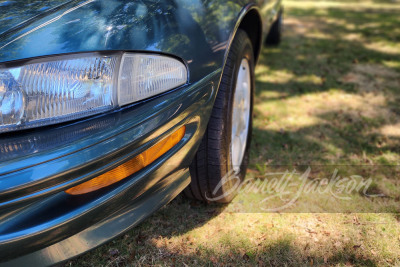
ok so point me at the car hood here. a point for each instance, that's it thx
(194, 31)
(17, 14)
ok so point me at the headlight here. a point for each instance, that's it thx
(68, 88)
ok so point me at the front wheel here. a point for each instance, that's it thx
(220, 164)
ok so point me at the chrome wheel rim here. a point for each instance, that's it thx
(241, 114)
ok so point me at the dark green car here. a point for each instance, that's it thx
(110, 108)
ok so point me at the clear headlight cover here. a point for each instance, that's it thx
(144, 75)
(55, 91)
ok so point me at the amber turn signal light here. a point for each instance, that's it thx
(131, 166)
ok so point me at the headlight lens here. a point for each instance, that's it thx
(55, 91)
(73, 87)
(143, 76)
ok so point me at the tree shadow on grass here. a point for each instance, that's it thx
(161, 239)
(314, 46)
(281, 252)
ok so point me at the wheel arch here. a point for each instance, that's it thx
(251, 23)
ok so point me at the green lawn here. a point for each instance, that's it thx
(328, 98)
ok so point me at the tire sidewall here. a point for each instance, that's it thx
(244, 51)
(212, 173)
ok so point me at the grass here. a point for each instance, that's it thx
(328, 96)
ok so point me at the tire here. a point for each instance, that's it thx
(275, 33)
(220, 164)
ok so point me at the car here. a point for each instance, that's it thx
(110, 109)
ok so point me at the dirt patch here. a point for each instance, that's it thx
(382, 47)
(372, 77)
(392, 130)
(303, 27)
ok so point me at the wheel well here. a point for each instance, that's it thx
(252, 25)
